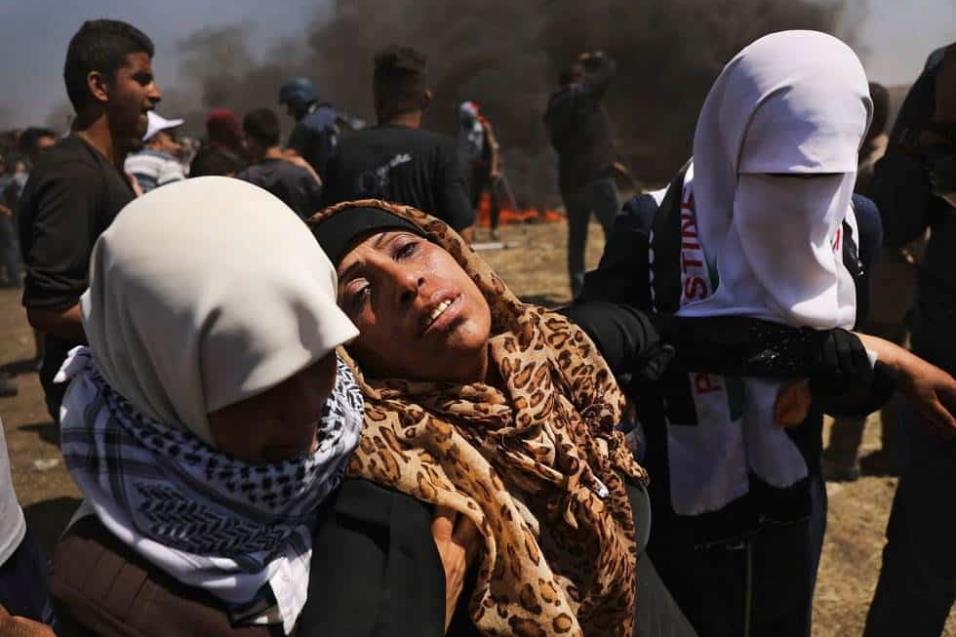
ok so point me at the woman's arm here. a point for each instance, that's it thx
(931, 390)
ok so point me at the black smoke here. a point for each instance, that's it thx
(506, 55)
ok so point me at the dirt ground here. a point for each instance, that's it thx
(533, 263)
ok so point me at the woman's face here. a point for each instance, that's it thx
(419, 314)
(279, 424)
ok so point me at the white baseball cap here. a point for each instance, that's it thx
(158, 123)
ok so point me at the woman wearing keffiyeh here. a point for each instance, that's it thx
(207, 420)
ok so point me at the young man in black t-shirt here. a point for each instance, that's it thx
(79, 186)
(296, 185)
(396, 160)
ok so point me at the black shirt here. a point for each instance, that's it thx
(580, 132)
(403, 165)
(72, 196)
(294, 185)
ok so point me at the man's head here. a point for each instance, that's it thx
(399, 85)
(160, 135)
(34, 140)
(261, 127)
(298, 94)
(109, 71)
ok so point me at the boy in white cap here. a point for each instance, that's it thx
(157, 164)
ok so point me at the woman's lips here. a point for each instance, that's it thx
(443, 314)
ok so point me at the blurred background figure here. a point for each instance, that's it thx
(891, 292)
(296, 185)
(316, 129)
(481, 157)
(915, 189)
(223, 152)
(580, 133)
(397, 160)
(159, 161)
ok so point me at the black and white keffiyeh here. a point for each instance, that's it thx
(207, 519)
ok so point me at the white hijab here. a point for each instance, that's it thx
(791, 103)
(204, 293)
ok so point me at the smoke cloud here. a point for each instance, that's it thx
(506, 55)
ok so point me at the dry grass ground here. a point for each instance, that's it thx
(534, 265)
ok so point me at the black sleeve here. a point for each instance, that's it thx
(452, 201)
(63, 226)
(622, 275)
(625, 336)
(905, 197)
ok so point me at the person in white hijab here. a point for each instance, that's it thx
(775, 158)
(209, 416)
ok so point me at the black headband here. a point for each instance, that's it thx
(338, 233)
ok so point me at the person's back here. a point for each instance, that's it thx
(579, 128)
(152, 168)
(315, 137)
(399, 164)
(396, 160)
(294, 185)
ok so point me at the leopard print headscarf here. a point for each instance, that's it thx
(539, 467)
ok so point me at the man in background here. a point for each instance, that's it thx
(79, 186)
(158, 163)
(293, 184)
(580, 133)
(916, 189)
(397, 160)
(316, 123)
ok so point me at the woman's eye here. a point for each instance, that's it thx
(406, 250)
(358, 296)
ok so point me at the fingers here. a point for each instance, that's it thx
(943, 421)
(443, 523)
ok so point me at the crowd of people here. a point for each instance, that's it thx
(297, 402)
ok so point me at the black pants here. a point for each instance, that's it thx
(376, 572)
(762, 586)
(480, 182)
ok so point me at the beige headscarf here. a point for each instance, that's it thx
(178, 346)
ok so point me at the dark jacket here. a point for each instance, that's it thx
(580, 131)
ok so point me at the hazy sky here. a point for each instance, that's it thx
(895, 37)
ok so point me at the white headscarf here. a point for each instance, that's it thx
(794, 103)
(204, 293)
(791, 103)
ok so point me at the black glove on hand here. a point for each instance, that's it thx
(841, 365)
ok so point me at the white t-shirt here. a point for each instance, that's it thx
(12, 525)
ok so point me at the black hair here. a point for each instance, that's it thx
(262, 126)
(214, 161)
(100, 45)
(399, 81)
(27, 142)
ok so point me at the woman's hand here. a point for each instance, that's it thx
(458, 542)
(931, 390)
